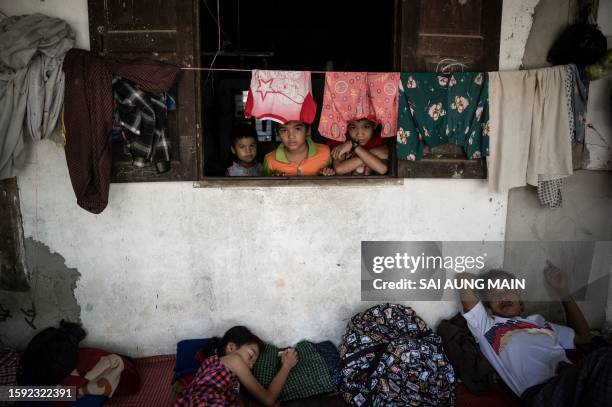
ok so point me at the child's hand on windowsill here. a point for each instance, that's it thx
(327, 172)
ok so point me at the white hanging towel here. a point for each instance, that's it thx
(530, 135)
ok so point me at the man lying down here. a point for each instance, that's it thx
(529, 353)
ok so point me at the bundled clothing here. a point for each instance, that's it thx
(464, 354)
(32, 48)
(144, 117)
(436, 108)
(282, 96)
(389, 356)
(52, 354)
(94, 366)
(89, 117)
(350, 96)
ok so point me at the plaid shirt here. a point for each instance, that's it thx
(214, 385)
(9, 366)
(143, 115)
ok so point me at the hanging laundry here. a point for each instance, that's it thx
(32, 48)
(579, 104)
(549, 192)
(550, 148)
(383, 92)
(345, 98)
(350, 96)
(282, 96)
(143, 115)
(436, 108)
(89, 117)
(530, 137)
(569, 96)
(511, 97)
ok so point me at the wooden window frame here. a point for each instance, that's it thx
(442, 162)
(177, 45)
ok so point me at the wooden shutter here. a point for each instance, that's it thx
(429, 31)
(465, 30)
(162, 30)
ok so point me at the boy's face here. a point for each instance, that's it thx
(361, 131)
(505, 303)
(293, 135)
(245, 149)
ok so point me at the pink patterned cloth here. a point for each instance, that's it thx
(282, 96)
(350, 96)
(384, 91)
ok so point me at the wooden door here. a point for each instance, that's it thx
(464, 30)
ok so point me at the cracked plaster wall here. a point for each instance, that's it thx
(166, 261)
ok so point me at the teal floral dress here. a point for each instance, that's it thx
(435, 109)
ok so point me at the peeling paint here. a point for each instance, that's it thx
(50, 298)
(517, 18)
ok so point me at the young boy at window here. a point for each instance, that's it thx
(529, 353)
(244, 149)
(297, 155)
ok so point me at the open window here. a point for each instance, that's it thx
(345, 35)
(318, 35)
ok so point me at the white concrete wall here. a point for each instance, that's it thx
(166, 261)
(586, 214)
(517, 19)
(598, 137)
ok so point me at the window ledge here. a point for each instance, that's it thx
(267, 182)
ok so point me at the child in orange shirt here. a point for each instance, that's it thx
(297, 155)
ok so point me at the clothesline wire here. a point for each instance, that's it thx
(218, 44)
(243, 70)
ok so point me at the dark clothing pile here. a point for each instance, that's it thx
(470, 364)
(52, 354)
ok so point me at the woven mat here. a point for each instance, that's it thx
(156, 374)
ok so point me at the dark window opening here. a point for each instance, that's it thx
(272, 34)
